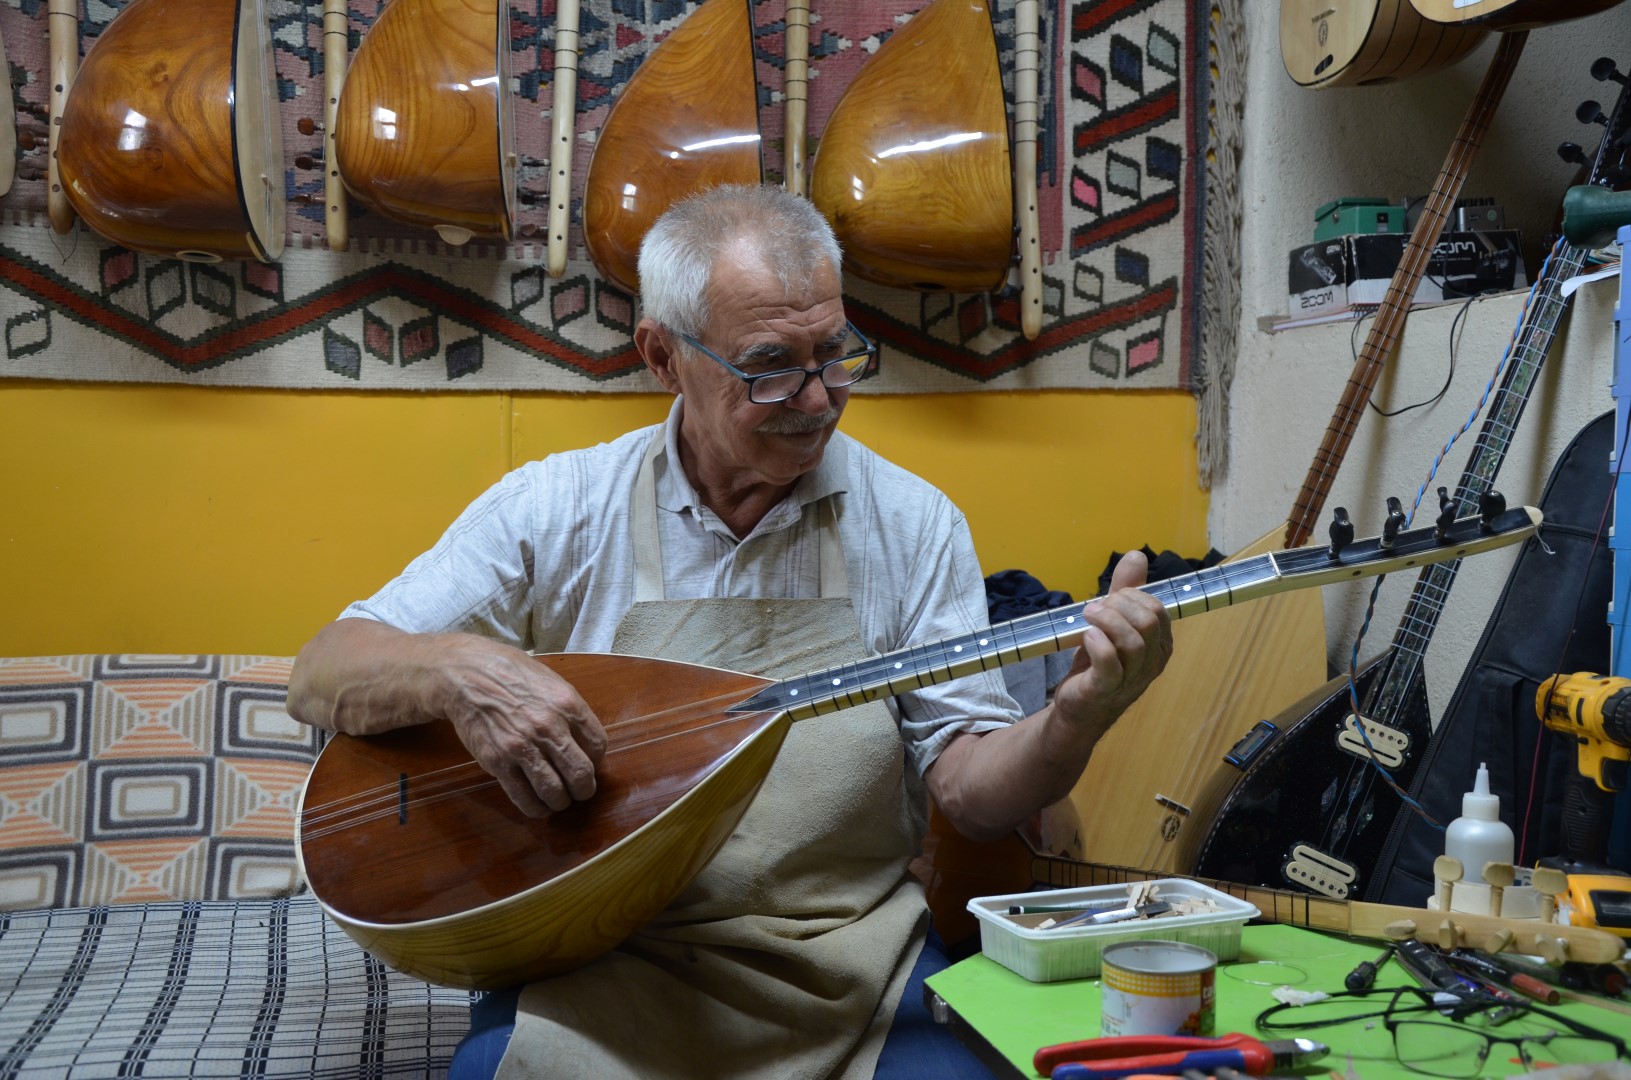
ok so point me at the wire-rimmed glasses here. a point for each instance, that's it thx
(1452, 1036)
(770, 387)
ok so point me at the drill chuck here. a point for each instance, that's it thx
(1595, 711)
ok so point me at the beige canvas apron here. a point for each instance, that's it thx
(786, 956)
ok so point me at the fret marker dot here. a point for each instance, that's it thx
(984, 642)
(793, 693)
(897, 664)
(1070, 619)
(835, 682)
(956, 648)
(1188, 587)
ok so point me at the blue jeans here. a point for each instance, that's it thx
(917, 1048)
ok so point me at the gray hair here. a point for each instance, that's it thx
(678, 253)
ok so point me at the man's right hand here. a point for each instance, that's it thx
(521, 722)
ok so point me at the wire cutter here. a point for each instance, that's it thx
(1170, 1055)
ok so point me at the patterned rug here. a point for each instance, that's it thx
(1124, 108)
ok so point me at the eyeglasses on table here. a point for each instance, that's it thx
(1430, 1034)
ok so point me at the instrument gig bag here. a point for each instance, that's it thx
(1491, 715)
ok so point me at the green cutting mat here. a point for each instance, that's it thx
(1016, 1016)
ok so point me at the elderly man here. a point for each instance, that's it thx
(744, 532)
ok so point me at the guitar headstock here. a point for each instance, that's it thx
(1606, 166)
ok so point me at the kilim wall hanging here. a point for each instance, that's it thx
(1133, 102)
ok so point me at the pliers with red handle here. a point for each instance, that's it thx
(1170, 1055)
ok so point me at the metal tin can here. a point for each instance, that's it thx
(1158, 988)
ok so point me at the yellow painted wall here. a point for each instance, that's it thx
(186, 519)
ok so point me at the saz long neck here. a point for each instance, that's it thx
(1061, 628)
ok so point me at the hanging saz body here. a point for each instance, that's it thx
(170, 139)
(423, 131)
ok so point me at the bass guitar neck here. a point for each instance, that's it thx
(1382, 922)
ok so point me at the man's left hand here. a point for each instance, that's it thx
(1127, 643)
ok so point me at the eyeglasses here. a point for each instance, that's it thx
(1454, 1039)
(769, 387)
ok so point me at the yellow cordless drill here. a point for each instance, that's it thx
(1595, 712)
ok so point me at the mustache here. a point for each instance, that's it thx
(791, 422)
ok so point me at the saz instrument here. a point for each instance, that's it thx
(336, 53)
(1388, 326)
(1363, 42)
(417, 854)
(1383, 922)
(170, 139)
(423, 130)
(1027, 58)
(687, 121)
(564, 120)
(1265, 829)
(62, 27)
(913, 170)
(1507, 14)
(8, 137)
(797, 94)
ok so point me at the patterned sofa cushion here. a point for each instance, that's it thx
(136, 778)
(264, 988)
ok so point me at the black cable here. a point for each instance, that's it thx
(1449, 375)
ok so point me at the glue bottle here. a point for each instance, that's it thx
(1479, 835)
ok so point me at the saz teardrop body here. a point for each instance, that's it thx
(170, 140)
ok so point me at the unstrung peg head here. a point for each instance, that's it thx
(1490, 505)
(1400, 929)
(1554, 950)
(1499, 941)
(1448, 936)
(1395, 521)
(1549, 882)
(1500, 876)
(1342, 531)
(307, 126)
(1447, 870)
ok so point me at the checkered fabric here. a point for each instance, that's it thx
(263, 988)
(135, 778)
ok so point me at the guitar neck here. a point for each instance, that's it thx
(1190, 594)
(1427, 601)
(1382, 922)
(797, 94)
(1390, 317)
(1529, 351)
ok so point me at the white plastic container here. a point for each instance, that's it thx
(1073, 952)
(1479, 836)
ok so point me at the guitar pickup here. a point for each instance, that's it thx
(1318, 872)
(1365, 738)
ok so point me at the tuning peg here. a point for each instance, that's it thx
(1589, 112)
(30, 170)
(308, 161)
(1572, 153)
(1446, 516)
(307, 126)
(1342, 531)
(1395, 522)
(1603, 69)
(533, 162)
(1491, 504)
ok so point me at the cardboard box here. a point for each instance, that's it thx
(1355, 270)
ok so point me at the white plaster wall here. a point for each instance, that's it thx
(1304, 148)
